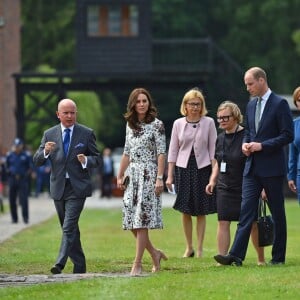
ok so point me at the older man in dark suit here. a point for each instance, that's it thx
(269, 128)
(71, 149)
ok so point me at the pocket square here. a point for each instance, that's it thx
(80, 145)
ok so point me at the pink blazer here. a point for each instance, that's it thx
(184, 137)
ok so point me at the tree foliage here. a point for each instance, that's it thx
(265, 33)
(262, 33)
(48, 35)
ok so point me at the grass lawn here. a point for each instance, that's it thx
(109, 249)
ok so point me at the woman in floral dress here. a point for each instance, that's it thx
(143, 160)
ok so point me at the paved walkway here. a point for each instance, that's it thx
(40, 210)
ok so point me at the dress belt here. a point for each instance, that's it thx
(142, 162)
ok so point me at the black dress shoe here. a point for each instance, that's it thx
(273, 262)
(228, 260)
(56, 269)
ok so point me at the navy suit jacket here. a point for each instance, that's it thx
(83, 142)
(275, 131)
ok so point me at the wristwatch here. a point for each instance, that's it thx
(160, 177)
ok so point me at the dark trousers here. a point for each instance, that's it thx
(252, 187)
(106, 188)
(68, 210)
(18, 187)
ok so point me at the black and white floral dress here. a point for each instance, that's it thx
(141, 207)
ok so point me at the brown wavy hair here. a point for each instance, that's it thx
(131, 115)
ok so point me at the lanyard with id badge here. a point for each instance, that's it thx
(223, 164)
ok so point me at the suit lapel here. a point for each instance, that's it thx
(58, 135)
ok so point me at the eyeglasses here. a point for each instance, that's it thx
(194, 104)
(223, 118)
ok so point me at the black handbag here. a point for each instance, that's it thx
(126, 181)
(265, 226)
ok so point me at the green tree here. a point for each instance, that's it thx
(180, 18)
(264, 33)
(261, 33)
(48, 34)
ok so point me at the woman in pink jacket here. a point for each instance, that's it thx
(190, 161)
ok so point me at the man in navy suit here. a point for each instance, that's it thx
(71, 149)
(268, 129)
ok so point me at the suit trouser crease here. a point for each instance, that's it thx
(69, 209)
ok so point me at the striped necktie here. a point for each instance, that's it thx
(257, 113)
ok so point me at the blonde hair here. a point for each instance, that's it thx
(192, 94)
(235, 110)
(296, 95)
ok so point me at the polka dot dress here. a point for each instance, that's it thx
(190, 185)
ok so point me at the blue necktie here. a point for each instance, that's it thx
(66, 141)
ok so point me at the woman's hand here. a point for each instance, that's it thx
(292, 186)
(159, 186)
(120, 184)
(209, 189)
(169, 183)
(263, 195)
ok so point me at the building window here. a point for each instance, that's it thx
(112, 20)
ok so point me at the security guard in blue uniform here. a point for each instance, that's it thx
(19, 166)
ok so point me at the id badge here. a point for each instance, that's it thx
(223, 167)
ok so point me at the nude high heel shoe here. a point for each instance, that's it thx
(189, 254)
(159, 256)
(136, 269)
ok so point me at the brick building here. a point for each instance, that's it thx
(10, 63)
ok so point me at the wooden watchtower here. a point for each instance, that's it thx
(116, 52)
(113, 37)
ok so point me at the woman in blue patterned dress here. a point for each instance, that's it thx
(294, 151)
(143, 160)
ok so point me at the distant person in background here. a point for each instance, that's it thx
(144, 157)
(2, 178)
(294, 151)
(42, 178)
(107, 173)
(19, 167)
(191, 159)
(227, 176)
